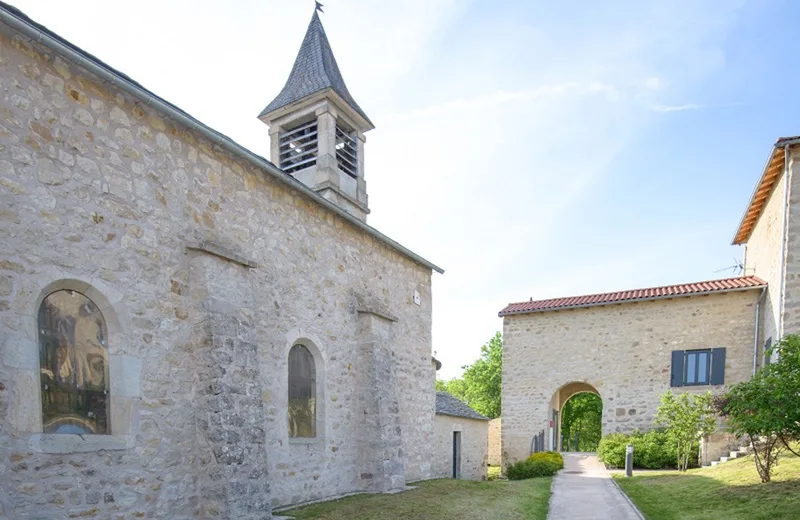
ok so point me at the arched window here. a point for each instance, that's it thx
(302, 393)
(73, 363)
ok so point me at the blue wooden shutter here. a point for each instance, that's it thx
(718, 366)
(677, 368)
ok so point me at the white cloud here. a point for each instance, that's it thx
(675, 108)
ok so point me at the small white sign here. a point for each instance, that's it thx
(417, 299)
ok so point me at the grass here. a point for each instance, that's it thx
(728, 491)
(444, 499)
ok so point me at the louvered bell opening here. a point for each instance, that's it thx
(298, 147)
(346, 151)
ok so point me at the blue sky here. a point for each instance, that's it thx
(532, 149)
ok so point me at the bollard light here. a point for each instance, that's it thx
(629, 460)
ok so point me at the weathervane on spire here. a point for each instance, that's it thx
(319, 7)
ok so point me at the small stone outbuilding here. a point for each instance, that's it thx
(460, 440)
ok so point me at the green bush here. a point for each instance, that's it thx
(550, 456)
(651, 450)
(544, 464)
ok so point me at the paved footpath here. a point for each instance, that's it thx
(583, 490)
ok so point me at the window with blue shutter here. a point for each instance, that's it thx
(698, 367)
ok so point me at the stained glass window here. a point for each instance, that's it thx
(73, 357)
(302, 393)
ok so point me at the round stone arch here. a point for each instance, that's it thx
(317, 349)
(124, 370)
(560, 397)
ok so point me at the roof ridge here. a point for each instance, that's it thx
(651, 288)
(629, 295)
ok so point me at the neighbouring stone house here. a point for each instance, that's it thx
(461, 440)
(629, 347)
(188, 330)
(495, 443)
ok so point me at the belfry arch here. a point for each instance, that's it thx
(557, 402)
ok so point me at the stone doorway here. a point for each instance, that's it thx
(559, 404)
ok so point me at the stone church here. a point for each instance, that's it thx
(629, 347)
(187, 329)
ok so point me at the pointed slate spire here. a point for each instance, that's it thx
(315, 69)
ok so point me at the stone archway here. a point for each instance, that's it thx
(557, 402)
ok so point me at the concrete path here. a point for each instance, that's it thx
(583, 490)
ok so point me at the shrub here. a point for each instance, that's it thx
(549, 456)
(687, 418)
(544, 464)
(651, 450)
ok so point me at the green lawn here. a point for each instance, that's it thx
(728, 491)
(444, 499)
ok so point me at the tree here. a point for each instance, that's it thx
(766, 408)
(687, 418)
(456, 387)
(480, 385)
(484, 378)
(581, 421)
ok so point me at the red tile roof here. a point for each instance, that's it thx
(652, 293)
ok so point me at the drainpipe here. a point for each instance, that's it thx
(784, 238)
(755, 333)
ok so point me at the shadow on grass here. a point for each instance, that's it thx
(736, 494)
(444, 499)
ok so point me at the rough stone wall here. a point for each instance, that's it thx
(791, 300)
(623, 351)
(495, 444)
(763, 259)
(97, 188)
(474, 447)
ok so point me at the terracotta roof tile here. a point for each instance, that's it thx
(651, 293)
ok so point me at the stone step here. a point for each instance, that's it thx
(714, 462)
(724, 459)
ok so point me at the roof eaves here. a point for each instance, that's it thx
(503, 314)
(745, 229)
(20, 22)
(479, 417)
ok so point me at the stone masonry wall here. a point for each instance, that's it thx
(763, 259)
(623, 351)
(474, 447)
(98, 189)
(791, 300)
(495, 442)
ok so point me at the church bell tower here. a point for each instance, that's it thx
(317, 129)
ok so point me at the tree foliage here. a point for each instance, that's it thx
(480, 385)
(581, 422)
(766, 408)
(687, 418)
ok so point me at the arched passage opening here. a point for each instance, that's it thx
(576, 410)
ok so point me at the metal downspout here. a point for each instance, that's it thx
(784, 238)
(755, 333)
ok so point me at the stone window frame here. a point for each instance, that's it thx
(315, 346)
(124, 373)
